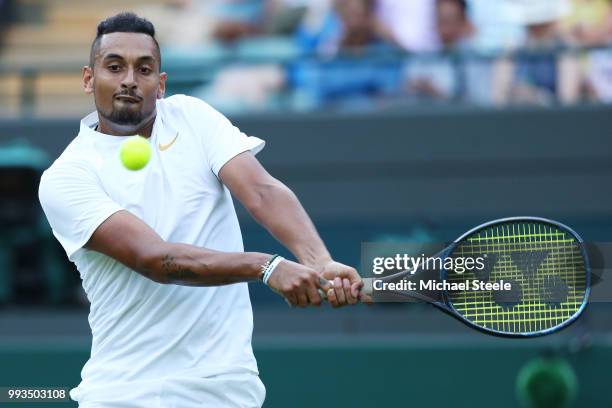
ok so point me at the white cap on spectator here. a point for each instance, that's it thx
(529, 12)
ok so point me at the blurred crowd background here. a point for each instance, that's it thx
(392, 121)
(310, 55)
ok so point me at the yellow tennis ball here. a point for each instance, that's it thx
(135, 153)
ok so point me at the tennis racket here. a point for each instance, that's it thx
(544, 262)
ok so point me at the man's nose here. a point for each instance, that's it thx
(129, 80)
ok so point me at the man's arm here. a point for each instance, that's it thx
(276, 207)
(130, 241)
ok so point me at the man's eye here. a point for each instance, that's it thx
(145, 70)
(114, 67)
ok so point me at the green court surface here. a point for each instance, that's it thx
(348, 371)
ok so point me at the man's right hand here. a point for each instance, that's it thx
(297, 283)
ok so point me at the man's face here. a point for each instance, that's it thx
(126, 79)
(451, 22)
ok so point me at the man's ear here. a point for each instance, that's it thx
(88, 80)
(161, 90)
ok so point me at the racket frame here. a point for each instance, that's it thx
(445, 303)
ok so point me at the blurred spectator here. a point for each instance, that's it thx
(179, 23)
(320, 29)
(444, 76)
(346, 29)
(236, 19)
(541, 73)
(409, 23)
(195, 22)
(245, 88)
(494, 31)
(453, 26)
(541, 19)
(248, 26)
(331, 26)
(250, 31)
(589, 23)
(359, 24)
(598, 76)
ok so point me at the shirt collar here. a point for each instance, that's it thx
(89, 123)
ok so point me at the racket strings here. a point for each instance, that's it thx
(544, 266)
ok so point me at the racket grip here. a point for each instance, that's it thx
(366, 290)
(323, 282)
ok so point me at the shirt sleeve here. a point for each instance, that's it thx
(75, 204)
(222, 141)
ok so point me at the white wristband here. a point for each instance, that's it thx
(271, 268)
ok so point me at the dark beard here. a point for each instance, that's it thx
(124, 117)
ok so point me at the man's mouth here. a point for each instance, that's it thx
(128, 98)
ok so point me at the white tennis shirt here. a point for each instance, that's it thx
(141, 329)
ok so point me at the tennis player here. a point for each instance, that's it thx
(159, 250)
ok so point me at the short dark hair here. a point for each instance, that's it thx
(125, 22)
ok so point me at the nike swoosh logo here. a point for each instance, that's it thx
(167, 146)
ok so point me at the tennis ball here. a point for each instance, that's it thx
(547, 383)
(135, 153)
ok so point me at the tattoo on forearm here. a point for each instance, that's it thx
(175, 272)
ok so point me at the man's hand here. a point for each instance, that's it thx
(297, 283)
(346, 281)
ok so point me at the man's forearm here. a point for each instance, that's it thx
(281, 213)
(277, 209)
(194, 266)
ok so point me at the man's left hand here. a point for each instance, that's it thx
(346, 283)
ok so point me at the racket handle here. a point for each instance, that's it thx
(366, 290)
(323, 282)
